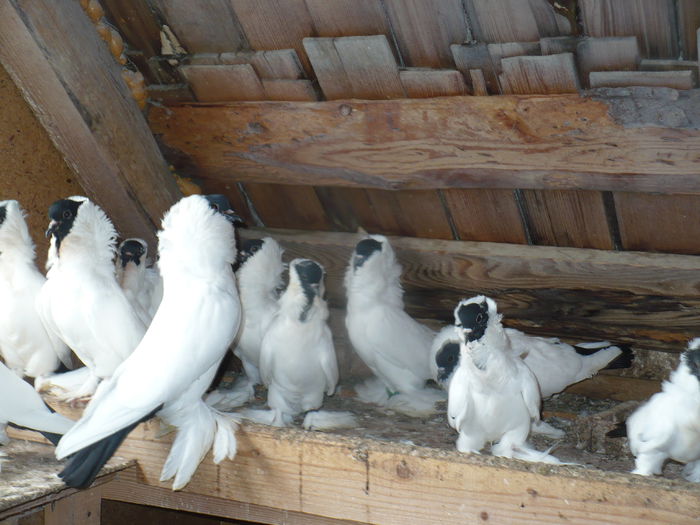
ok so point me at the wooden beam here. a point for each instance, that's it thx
(647, 300)
(535, 142)
(55, 56)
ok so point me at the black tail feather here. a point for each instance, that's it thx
(619, 431)
(624, 360)
(84, 465)
(54, 438)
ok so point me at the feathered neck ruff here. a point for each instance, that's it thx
(262, 272)
(490, 351)
(195, 239)
(379, 276)
(15, 241)
(92, 238)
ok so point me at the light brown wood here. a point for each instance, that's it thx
(669, 79)
(479, 87)
(473, 57)
(549, 22)
(545, 75)
(328, 68)
(427, 83)
(370, 67)
(348, 17)
(488, 23)
(606, 54)
(556, 142)
(688, 24)
(299, 90)
(224, 83)
(277, 64)
(619, 388)
(82, 508)
(282, 206)
(511, 49)
(424, 30)
(87, 110)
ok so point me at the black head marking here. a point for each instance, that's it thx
(131, 250)
(62, 215)
(310, 276)
(447, 360)
(221, 204)
(3, 214)
(248, 248)
(474, 317)
(692, 361)
(364, 250)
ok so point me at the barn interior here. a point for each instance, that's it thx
(544, 153)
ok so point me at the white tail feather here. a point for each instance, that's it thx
(242, 392)
(327, 420)
(225, 444)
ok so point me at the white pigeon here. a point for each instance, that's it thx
(259, 277)
(27, 347)
(169, 371)
(142, 285)
(81, 301)
(493, 396)
(391, 343)
(297, 359)
(556, 364)
(668, 424)
(21, 406)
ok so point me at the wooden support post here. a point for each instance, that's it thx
(65, 71)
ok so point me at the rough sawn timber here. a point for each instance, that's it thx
(537, 142)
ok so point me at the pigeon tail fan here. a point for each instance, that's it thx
(84, 465)
(623, 360)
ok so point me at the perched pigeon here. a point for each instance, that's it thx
(174, 364)
(668, 425)
(297, 358)
(259, 277)
(142, 285)
(21, 406)
(27, 347)
(81, 301)
(392, 344)
(493, 396)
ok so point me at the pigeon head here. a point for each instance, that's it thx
(472, 318)
(3, 214)
(447, 360)
(221, 204)
(248, 248)
(310, 276)
(131, 250)
(62, 215)
(364, 251)
(691, 357)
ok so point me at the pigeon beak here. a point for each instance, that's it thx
(441, 375)
(358, 261)
(126, 258)
(53, 225)
(232, 217)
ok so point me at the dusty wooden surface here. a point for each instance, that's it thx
(555, 142)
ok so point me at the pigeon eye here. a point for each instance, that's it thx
(451, 359)
(214, 206)
(479, 317)
(66, 214)
(254, 249)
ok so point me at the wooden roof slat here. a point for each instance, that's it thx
(502, 20)
(425, 29)
(224, 83)
(137, 24)
(328, 68)
(348, 18)
(549, 22)
(670, 79)
(427, 83)
(547, 75)
(688, 24)
(203, 26)
(558, 44)
(470, 57)
(479, 87)
(292, 90)
(284, 206)
(277, 64)
(653, 22)
(370, 67)
(607, 54)
(511, 49)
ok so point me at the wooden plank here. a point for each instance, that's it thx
(562, 142)
(292, 90)
(606, 54)
(479, 87)
(545, 75)
(427, 83)
(489, 24)
(277, 64)
(669, 79)
(275, 25)
(370, 67)
(486, 215)
(425, 29)
(688, 24)
(549, 22)
(224, 83)
(87, 110)
(568, 218)
(348, 18)
(136, 23)
(660, 223)
(619, 388)
(281, 206)
(203, 26)
(647, 300)
(472, 57)
(328, 68)
(168, 94)
(511, 49)
(82, 508)
(558, 44)
(651, 64)
(653, 22)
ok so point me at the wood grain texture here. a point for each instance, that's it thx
(544, 75)
(224, 83)
(568, 218)
(647, 300)
(489, 24)
(425, 29)
(478, 83)
(486, 215)
(549, 22)
(428, 83)
(556, 142)
(87, 110)
(348, 18)
(473, 57)
(328, 68)
(282, 206)
(292, 90)
(203, 26)
(558, 44)
(606, 54)
(653, 22)
(688, 24)
(277, 64)
(661, 223)
(669, 79)
(136, 23)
